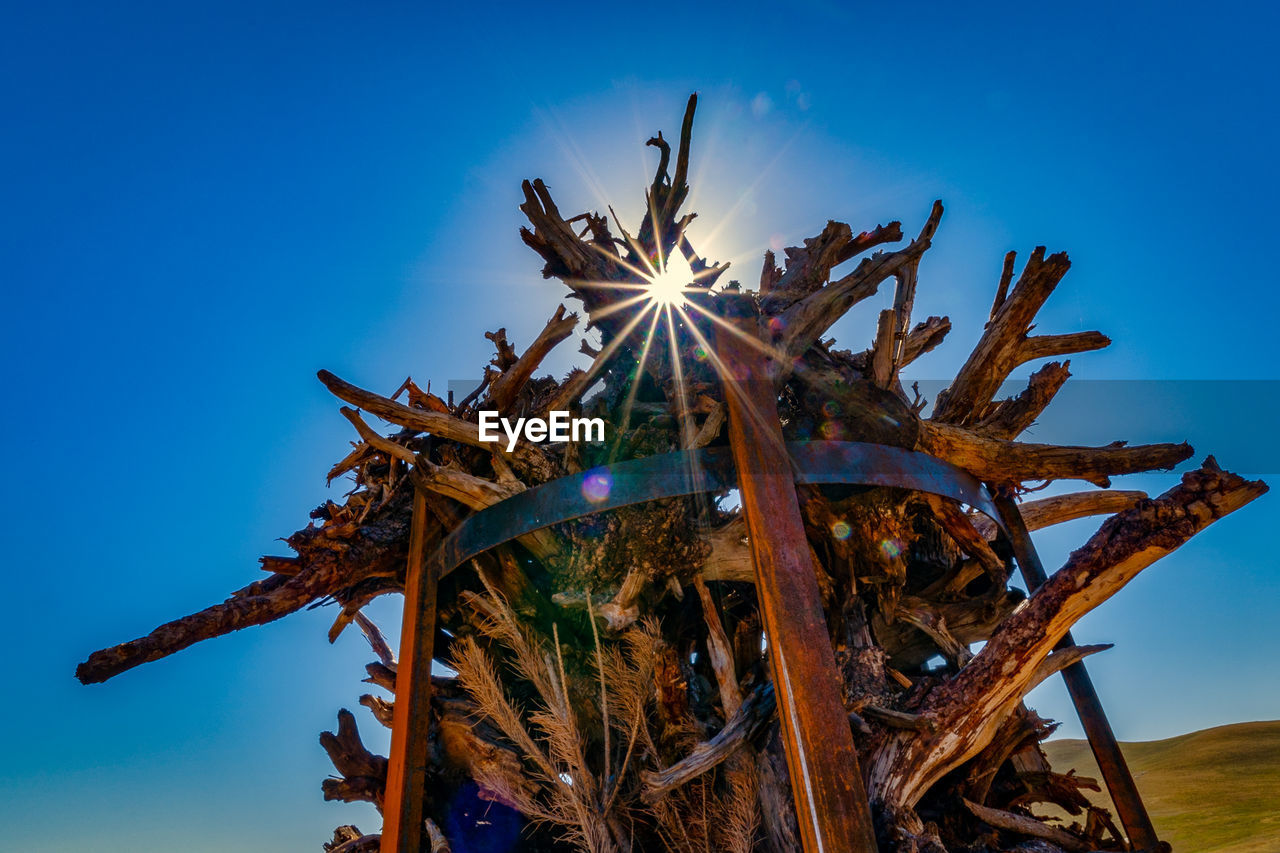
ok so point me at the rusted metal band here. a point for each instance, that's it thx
(687, 472)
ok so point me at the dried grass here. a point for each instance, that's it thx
(585, 765)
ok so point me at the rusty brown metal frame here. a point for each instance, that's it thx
(403, 820)
(708, 470)
(832, 810)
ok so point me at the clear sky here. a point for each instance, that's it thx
(204, 203)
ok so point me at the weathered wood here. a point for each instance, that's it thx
(1058, 509)
(439, 844)
(1002, 290)
(1003, 345)
(756, 710)
(1102, 740)
(348, 839)
(969, 620)
(882, 353)
(503, 390)
(999, 461)
(525, 456)
(962, 529)
(364, 774)
(923, 338)
(969, 707)
(1025, 825)
(720, 650)
(806, 320)
(1008, 418)
(339, 554)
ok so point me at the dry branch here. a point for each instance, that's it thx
(527, 458)
(969, 708)
(804, 322)
(754, 712)
(331, 558)
(1024, 825)
(923, 338)
(503, 390)
(364, 775)
(1047, 512)
(1005, 343)
(1008, 418)
(1000, 461)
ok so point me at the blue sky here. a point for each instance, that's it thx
(205, 203)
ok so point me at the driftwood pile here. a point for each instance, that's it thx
(612, 691)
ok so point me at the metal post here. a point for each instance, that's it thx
(831, 802)
(1102, 740)
(402, 817)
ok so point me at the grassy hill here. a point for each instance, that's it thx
(1213, 791)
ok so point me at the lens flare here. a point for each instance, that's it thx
(832, 430)
(596, 485)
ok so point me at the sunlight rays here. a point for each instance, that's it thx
(664, 299)
(629, 403)
(660, 296)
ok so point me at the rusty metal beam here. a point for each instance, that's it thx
(831, 803)
(402, 809)
(1102, 740)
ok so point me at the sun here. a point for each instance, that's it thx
(670, 285)
(667, 288)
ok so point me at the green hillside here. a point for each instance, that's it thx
(1214, 791)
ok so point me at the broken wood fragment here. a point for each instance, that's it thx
(1024, 825)
(503, 390)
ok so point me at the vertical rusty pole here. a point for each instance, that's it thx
(402, 817)
(1102, 740)
(826, 783)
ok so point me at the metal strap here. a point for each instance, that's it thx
(687, 472)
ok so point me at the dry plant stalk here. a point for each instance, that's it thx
(586, 769)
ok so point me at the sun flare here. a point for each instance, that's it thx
(670, 284)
